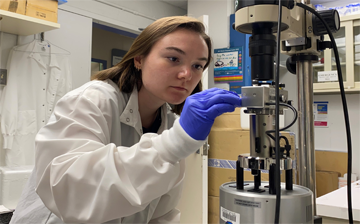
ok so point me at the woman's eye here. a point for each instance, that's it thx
(174, 59)
(198, 67)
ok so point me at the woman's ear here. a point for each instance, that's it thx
(138, 62)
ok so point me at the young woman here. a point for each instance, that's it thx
(113, 151)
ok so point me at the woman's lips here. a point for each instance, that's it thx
(179, 88)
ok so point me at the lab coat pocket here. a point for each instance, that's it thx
(26, 123)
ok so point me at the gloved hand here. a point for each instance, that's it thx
(201, 109)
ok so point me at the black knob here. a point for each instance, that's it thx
(332, 19)
(291, 65)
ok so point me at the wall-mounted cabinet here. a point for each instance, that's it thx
(19, 24)
(348, 43)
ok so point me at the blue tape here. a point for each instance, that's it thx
(60, 2)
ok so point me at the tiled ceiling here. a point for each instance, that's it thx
(178, 3)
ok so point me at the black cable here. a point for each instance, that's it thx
(286, 140)
(277, 118)
(345, 109)
(280, 137)
(288, 126)
(292, 122)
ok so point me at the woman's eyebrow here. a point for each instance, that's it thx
(183, 52)
(176, 49)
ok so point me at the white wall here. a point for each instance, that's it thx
(127, 15)
(75, 37)
(104, 41)
(219, 25)
(333, 138)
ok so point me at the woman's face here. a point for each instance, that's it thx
(174, 66)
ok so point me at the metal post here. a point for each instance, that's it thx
(239, 176)
(306, 127)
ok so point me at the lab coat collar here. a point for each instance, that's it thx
(131, 116)
(37, 57)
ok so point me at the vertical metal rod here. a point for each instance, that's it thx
(289, 179)
(306, 127)
(257, 180)
(239, 176)
(272, 188)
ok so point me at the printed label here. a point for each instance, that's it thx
(248, 203)
(13, 6)
(229, 217)
(327, 76)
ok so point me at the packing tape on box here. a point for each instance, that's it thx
(227, 164)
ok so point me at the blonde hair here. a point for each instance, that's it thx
(126, 75)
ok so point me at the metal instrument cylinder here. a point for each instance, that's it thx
(260, 142)
(306, 126)
(242, 206)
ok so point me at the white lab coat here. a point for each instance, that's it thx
(93, 165)
(37, 79)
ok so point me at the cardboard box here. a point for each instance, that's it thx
(228, 120)
(225, 146)
(213, 210)
(42, 9)
(228, 143)
(17, 6)
(326, 182)
(331, 161)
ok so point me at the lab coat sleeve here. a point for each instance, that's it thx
(83, 178)
(166, 211)
(171, 217)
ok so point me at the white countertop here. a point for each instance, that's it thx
(334, 204)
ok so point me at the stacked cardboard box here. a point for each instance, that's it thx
(227, 140)
(41, 9)
(329, 167)
(326, 182)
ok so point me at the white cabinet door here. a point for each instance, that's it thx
(194, 201)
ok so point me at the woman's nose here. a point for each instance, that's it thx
(185, 73)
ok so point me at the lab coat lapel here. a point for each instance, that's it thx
(131, 116)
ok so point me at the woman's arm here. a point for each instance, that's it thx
(166, 211)
(82, 177)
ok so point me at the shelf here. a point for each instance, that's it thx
(357, 62)
(328, 91)
(333, 64)
(357, 43)
(18, 24)
(341, 63)
(318, 65)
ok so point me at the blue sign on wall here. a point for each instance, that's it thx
(228, 66)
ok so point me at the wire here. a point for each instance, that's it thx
(286, 140)
(277, 118)
(345, 109)
(288, 126)
(292, 122)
